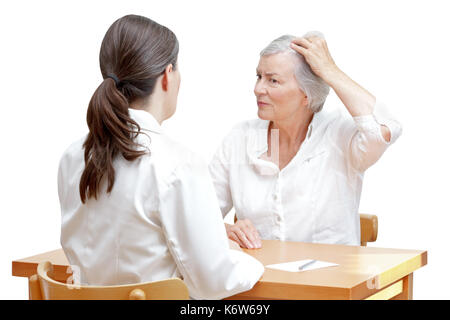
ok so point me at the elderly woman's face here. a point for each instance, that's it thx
(277, 92)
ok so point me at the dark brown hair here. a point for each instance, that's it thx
(134, 53)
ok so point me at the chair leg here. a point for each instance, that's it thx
(34, 288)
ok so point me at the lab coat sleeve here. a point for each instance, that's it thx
(219, 171)
(196, 237)
(362, 139)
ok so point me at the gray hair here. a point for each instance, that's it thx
(313, 86)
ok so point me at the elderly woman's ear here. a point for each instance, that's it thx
(305, 102)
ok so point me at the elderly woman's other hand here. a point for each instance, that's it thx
(244, 233)
(316, 53)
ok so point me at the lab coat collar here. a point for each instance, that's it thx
(145, 120)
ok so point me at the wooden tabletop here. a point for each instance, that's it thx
(361, 271)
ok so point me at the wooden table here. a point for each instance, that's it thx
(362, 273)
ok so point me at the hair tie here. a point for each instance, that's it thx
(113, 76)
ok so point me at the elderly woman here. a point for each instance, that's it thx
(296, 173)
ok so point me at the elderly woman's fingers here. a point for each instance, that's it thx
(244, 233)
(303, 42)
(258, 239)
(232, 233)
(316, 53)
(234, 237)
(234, 245)
(299, 49)
(252, 233)
(315, 39)
(243, 238)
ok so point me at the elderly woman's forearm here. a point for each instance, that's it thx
(357, 100)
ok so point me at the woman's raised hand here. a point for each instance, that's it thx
(316, 53)
(244, 233)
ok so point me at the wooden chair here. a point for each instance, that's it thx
(42, 287)
(369, 228)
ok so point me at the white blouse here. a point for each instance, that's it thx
(315, 198)
(161, 220)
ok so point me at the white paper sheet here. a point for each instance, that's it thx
(294, 266)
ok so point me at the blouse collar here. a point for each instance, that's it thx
(145, 120)
(257, 143)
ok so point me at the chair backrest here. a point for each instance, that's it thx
(42, 287)
(369, 228)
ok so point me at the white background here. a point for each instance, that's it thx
(398, 50)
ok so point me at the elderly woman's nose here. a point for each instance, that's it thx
(259, 88)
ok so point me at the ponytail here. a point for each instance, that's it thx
(134, 53)
(110, 134)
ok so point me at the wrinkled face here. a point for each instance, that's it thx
(277, 92)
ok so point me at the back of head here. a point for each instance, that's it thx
(313, 86)
(134, 53)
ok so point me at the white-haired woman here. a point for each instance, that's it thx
(296, 173)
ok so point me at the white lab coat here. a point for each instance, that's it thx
(161, 220)
(315, 198)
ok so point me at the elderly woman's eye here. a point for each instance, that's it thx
(273, 81)
(258, 76)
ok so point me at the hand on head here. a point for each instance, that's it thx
(315, 51)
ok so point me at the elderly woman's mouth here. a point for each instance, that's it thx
(262, 104)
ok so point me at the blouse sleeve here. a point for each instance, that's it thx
(219, 171)
(362, 139)
(197, 240)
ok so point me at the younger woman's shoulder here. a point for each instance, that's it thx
(75, 149)
(172, 153)
(175, 162)
(173, 148)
